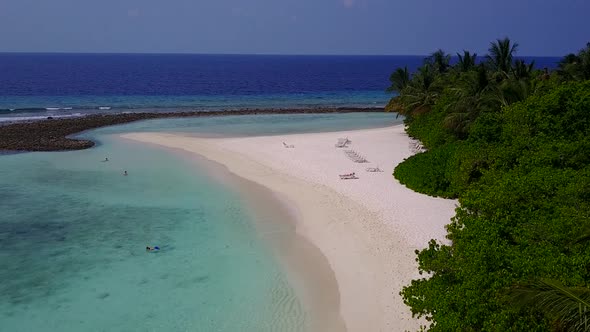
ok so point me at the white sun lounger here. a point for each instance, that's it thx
(289, 146)
(342, 142)
(354, 156)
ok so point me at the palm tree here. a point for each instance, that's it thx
(501, 53)
(521, 70)
(576, 66)
(466, 61)
(511, 91)
(421, 93)
(395, 105)
(568, 306)
(440, 60)
(474, 95)
(568, 59)
(399, 79)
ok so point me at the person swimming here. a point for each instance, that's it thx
(154, 248)
(125, 173)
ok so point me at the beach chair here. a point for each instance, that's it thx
(374, 169)
(351, 176)
(355, 157)
(416, 146)
(288, 146)
(342, 142)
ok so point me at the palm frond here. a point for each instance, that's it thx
(501, 54)
(458, 122)
(395, 105)
(467, 61)
(568, 305)
(399, 79)
(440, 60)
(584, 237)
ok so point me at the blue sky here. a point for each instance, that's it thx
(541, 27)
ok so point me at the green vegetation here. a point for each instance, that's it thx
(513, 145)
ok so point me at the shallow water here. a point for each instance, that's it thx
(253, 125)
(73, 232)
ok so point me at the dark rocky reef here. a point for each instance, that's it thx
(51, 134)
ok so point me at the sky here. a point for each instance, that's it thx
(400, 27)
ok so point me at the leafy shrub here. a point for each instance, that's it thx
(523, 182)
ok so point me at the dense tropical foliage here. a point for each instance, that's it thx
(513, 145)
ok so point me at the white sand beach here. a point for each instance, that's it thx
(367, 228)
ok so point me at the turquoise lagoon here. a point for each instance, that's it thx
(73, 232)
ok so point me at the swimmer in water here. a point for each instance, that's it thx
(125, 173)
(148, 248)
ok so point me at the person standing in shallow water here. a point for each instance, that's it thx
(125, 173)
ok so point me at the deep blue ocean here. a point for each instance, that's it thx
(72, 84)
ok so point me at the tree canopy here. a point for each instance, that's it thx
(513, 145)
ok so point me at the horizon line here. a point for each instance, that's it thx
(250, 54)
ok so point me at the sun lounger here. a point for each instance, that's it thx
(416, 146)
(350, 176)
(374, 169)
(289, 146)
(342, 142)
(354, 156)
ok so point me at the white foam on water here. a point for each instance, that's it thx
(38, 117)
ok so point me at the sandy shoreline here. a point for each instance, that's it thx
(367, 229)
